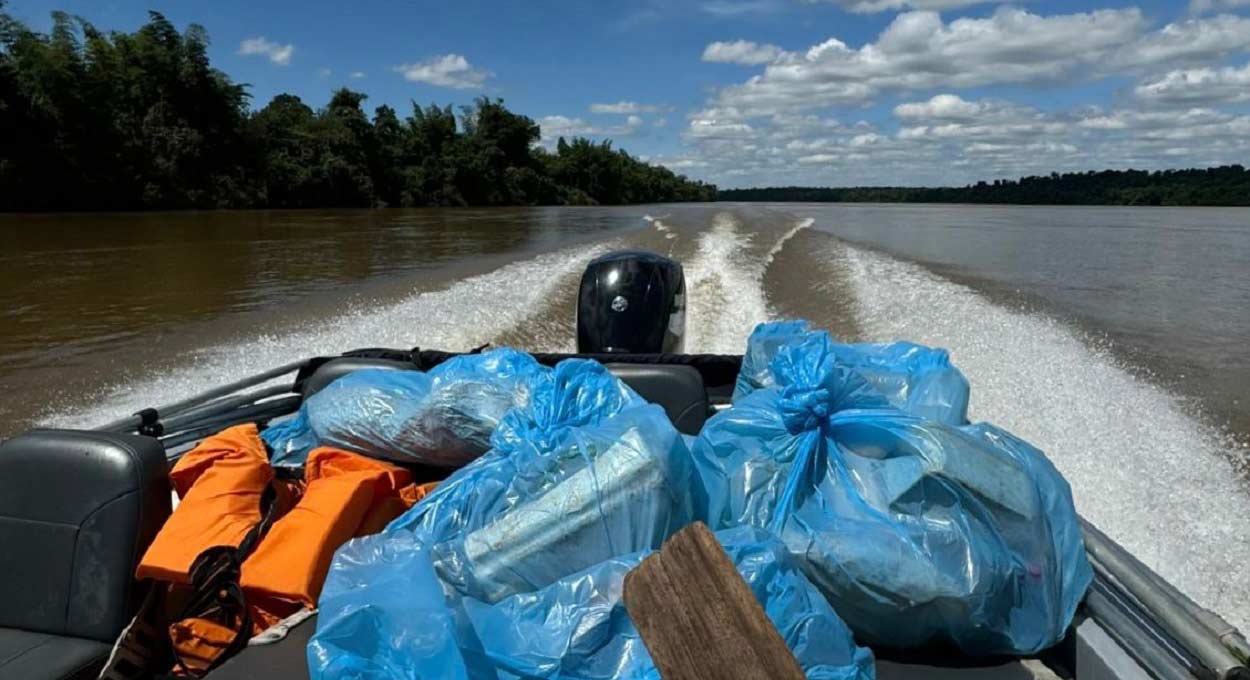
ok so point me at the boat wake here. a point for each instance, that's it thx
(468, 313)
(660, 226)
(723, 288)
(785, 238)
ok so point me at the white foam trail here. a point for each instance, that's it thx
(660, 226)
(781, 242)
(724, 291)
(466, 314)
(1149, 475)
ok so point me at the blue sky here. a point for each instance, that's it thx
(757, 92)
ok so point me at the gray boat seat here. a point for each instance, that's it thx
(337, 368)
(25, 655)
(77, 510)
(678, 389)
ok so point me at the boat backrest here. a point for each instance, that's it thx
(679, 389)
(77, 510)
(337, 368)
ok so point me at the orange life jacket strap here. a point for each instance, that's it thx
(218, 603)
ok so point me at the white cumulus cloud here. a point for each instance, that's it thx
(946, 107)
(1198, 86)
(447, 70)
(733, 8)
(275, 52)
(948, 139)
(872, 6)
(624, 106)
(555, 127)
(1195, 41)
(1200, 6)
(707, 125)
(356, 75)
(919, 51)
(742, 52)
(780, 124)
(680, 163)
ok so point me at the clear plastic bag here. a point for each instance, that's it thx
(916, 530)
(444, 417)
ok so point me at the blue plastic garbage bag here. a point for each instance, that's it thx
(916, 530)
(575, 394)
(578, 627)
(917, 379)
(444, 417)
(584, 472)
(377, 588)
(574, 628)
(604, 490)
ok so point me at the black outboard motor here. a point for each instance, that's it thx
(632, 301)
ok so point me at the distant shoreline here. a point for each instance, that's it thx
(969, 204)
(1224, 186)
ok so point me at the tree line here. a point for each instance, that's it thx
(91, 120)
(1225, 185)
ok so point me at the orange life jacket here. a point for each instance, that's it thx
(221, 484)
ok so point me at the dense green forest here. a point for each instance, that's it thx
(121, 121)
(1228, 185)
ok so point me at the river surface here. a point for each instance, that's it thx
(1116, 339)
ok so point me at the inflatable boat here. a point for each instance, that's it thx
(79, 507)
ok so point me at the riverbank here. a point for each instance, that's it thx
(1218, 186)
(142, 121)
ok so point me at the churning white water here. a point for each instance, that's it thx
(724, 284)
(1144, 471)
(465, 314)
(725, 298)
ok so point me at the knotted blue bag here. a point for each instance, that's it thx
(913, 378)
(916, 530)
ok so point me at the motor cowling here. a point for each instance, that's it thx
(632, 301)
